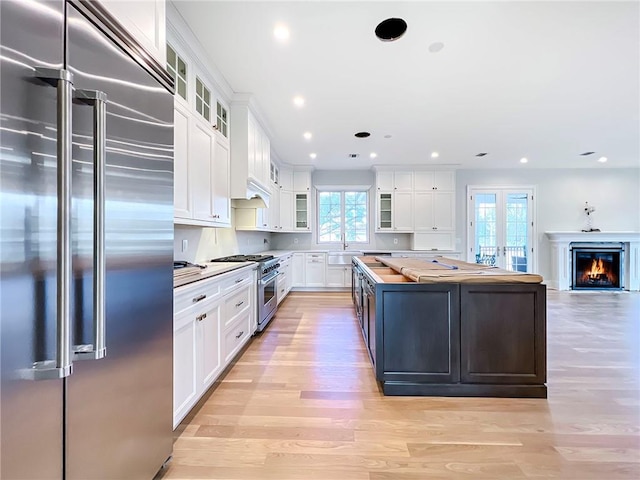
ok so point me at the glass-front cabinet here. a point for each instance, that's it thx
(302, 211)
(385, 204)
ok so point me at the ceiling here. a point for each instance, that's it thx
(542, 80)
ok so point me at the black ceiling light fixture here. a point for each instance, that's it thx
(363, 134)
(391, 29)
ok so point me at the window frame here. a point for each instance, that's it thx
(342, 192)
(174, 71)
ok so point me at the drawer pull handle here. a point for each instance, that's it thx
(201, 317)
(199, 298)
(240, 280)
(240, 334)
(239, 303)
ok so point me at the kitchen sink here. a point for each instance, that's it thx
(341, 258)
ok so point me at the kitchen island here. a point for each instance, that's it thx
(450, 328)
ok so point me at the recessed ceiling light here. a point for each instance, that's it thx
(373, 154)
(602, 159)
(313, 155)
(363, 134)
(391, 29)
(436, 47)
(524, 160)
(435, 154)
(298, 101)
(281, 32)
(481, 154)
(307, 135)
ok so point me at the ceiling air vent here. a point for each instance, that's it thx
(354, 155)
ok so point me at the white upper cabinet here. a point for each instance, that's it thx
(250, 152)
(220, 184)
(389, 181)
(301, 181)
(181, 186)
(443, 180)
(286, 179)
(145, 21)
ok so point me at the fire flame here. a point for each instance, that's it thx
(599, 271)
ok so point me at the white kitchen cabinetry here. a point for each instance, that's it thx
(181, 187)
(250, 152)
(145, 21)
(201, 172)
(286, 210)
(298, 270)
(315, 267)
(338, 276)
(442, 180)
(388, 181)
(301, 181)
(213, 319)
(286, 179)
(394, 211)
(301, 211)
(434, 210)
(284, 281)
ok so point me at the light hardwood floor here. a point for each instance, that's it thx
(301, 403)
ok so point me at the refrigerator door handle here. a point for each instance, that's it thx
(97, 350)
(61, 366)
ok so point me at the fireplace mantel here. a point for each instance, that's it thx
(561, 255)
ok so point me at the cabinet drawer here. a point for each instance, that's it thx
(235, 335)
(239, 280)
(192, 296)
(235, 304)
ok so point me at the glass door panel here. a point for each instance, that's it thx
(501, 228)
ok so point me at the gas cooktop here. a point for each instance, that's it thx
(243, 258)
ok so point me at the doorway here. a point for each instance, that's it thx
(501, 227)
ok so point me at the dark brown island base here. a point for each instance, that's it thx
(451, 328)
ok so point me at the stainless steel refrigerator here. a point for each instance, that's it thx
(86, 247)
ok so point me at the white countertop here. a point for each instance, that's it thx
(213, 269)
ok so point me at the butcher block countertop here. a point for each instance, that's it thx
(442, 270)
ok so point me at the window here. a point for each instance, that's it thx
(203, 99)
(177, 68)
(342, 213)
(222, 120)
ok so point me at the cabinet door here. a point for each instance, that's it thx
(335, 277)
(181, 190)
(251, 148)
(443, 210)
(444, 180)
(420, 335)
(201, 155)
(403, 181)
(302, 211)
(423, 180)
(220, 192)
(403, 211)
(297, 270)
(423, 215)
(385, 211)
(384, 181)
(301, 181)
(266, 157)
(286, 179)
(208, 334)
(315, 269)
(286, 210)
(184, 366)
(274, 208)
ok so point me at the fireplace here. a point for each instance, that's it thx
(597, 266)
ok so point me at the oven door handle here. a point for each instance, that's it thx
(264, 281)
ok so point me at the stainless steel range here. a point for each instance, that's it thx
(267, 300)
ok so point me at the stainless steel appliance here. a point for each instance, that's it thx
(267, 300)
(86, 245)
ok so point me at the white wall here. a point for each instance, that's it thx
(561, 194)
(203, 244)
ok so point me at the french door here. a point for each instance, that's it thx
(501, 227)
